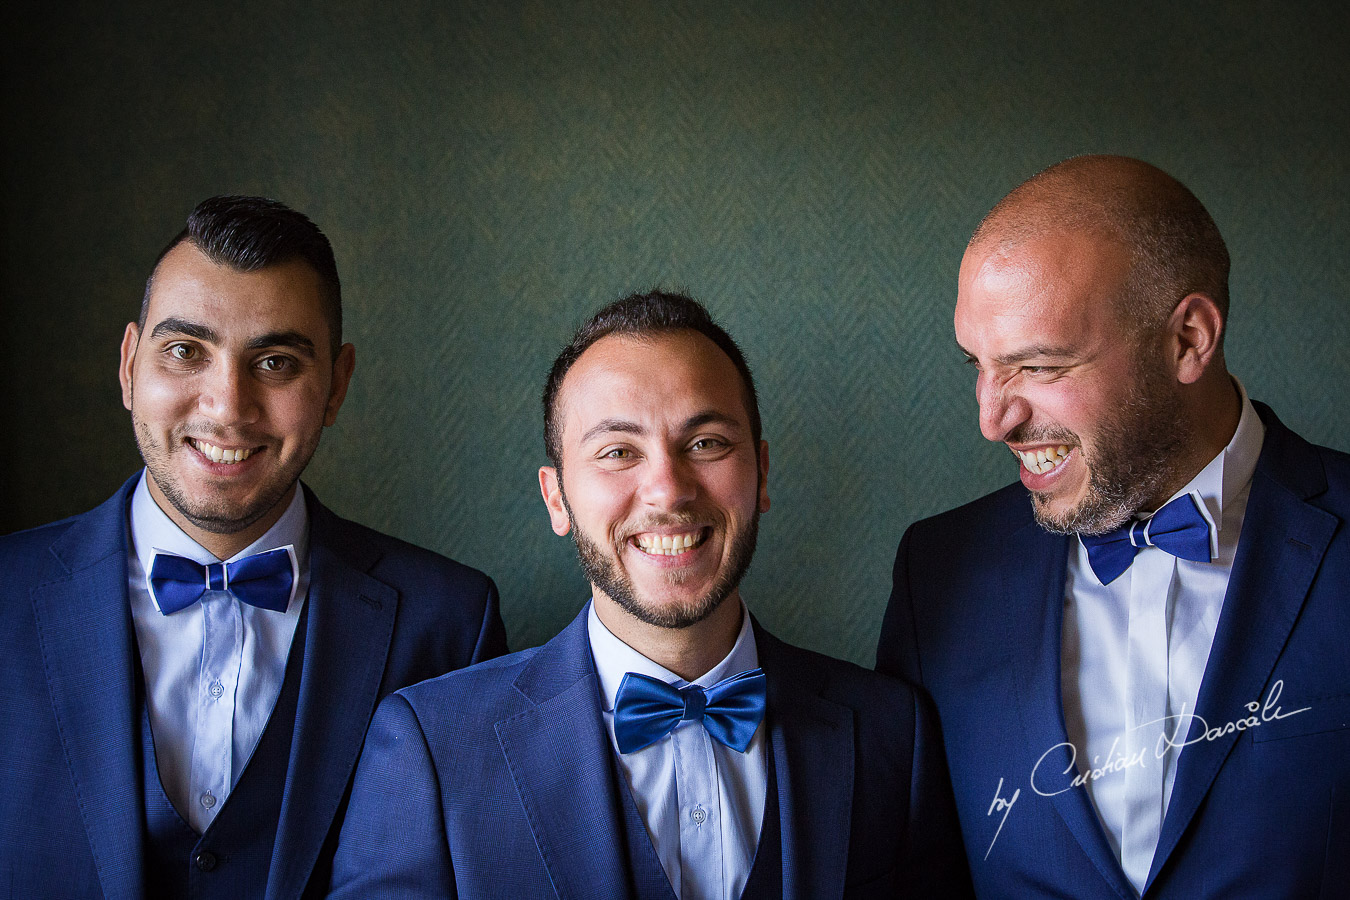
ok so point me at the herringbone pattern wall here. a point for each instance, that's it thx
(490, 173)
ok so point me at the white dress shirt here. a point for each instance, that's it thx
(1102, 664)
(213, 671)
(702, 802)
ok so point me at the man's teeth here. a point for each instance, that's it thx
(220, 455)
(667, 544)
(1043, 460)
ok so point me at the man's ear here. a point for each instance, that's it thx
(1194, 332)
(550, 485)
(343, 367)
(131, 339)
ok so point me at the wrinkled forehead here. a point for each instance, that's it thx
(1054, 275)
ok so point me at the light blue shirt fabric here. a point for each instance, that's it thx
(1095, 651)
(702, 802)
(213, 671)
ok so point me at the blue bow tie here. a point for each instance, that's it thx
(1178, 528)
(647, 709)
(263, 580)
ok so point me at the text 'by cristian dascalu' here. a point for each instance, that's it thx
(1048, 785)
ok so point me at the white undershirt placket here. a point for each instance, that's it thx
(1151, 584)
(701, 862)
(212, 746)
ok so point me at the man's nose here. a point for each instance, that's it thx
(228, 394)
(667, 482)
(1001, 408)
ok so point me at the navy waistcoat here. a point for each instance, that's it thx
(232, 858)
(765, 881)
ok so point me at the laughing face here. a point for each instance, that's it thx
(661, 483)
(1085, 404)
(229, 385)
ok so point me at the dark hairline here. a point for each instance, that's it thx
(286, 236)
(643, 316)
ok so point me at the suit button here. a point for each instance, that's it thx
(206, 861)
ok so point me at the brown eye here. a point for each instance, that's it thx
(275, 364)
(183, 352)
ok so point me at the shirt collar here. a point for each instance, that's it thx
(614, 658)
(152, 529)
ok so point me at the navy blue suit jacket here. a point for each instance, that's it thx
(498, 781)
(382, 614)
(1260, 811)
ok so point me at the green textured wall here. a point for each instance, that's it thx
(490, 173)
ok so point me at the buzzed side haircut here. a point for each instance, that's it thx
(642, 315)
(251, 233)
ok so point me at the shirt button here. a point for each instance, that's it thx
(698, 814)
(216, 690)
(206, 861)
(208, 800)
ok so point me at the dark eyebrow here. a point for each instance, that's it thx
(710, 417)
(606, 426)
(1013, 359)
(293, 340)
(624, 426)
(176, 326)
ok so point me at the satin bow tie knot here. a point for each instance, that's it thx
(647, 709)
(263, 580)
(1179, 528)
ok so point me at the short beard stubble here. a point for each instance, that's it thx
(1133, 458)
(602, 572)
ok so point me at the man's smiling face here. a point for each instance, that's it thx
(1083, 401)
(661, 482)
(229, 385)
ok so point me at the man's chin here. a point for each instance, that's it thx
(220, 515)
(1091, 516)
(676, 614)
(222, 521)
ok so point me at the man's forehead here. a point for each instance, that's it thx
(188, 286)
(675, 375)
(1052, 271)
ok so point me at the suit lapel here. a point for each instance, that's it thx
(1033, 596)
(1283, 541)
(813, 749)
(561, 761)
(347, 638)
(84, 627)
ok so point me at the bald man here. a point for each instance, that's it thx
(1138, 653)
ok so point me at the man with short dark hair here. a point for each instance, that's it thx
(1137, 653)
(190, 668)
(663, 745)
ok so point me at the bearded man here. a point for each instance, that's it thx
(1137, 653)
(664, 745)
(189, 669)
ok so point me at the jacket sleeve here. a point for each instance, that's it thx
(898, 646)
(393, 842)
